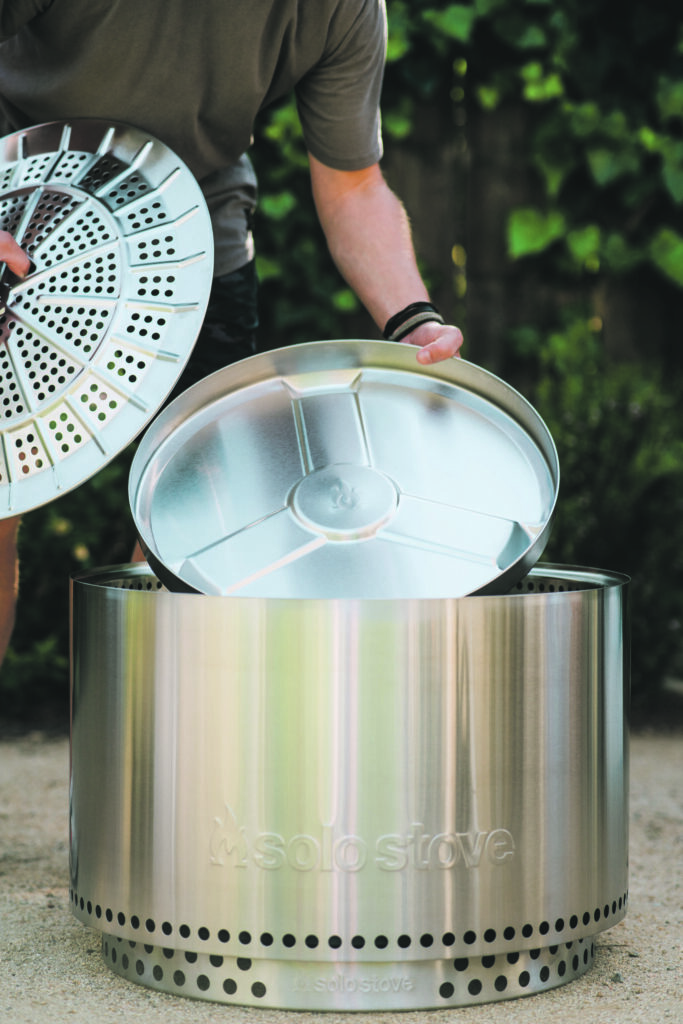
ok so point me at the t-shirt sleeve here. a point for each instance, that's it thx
(338, 100)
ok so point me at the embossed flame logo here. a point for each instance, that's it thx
(343, 495)
(227, 839)
(330, 850)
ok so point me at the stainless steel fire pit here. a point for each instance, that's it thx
(349, 804)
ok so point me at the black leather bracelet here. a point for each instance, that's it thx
(406, 320)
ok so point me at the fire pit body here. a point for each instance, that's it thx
(349, 804)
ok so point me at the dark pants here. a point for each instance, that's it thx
(229, 329)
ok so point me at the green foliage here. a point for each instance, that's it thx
(603, 83)
(532, 230)
(619, 435)
(605, 86)
(666, 252)
(454, 21)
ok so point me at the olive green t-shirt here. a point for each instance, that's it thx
(196, 74)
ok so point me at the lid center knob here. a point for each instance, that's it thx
(345, 502)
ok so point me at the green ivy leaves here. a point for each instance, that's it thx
(666, 252)
(539, 85)
(455, 21)
(532, 231)
(606, 109)
(669, 98)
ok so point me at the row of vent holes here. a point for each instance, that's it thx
(258, 989)
(23, 455)
(154, 584)
(43, 351)
(72, 279)
(39, 227)
(129, 189)
(75, 246)
(35, 450)
(70, 162)
(9, 398)
(142, 332)
(121, 372)
(66, 325)
(157, 253)
(358, 942)
(54, 200)
(87, 273)
(460, 964)
(6, 177)
(47, 357)
(6, 381)
(11, 212)
(155, 292)
(474, 987)
(66, 425)
(52, 386)
(531, 586)
(143, 216)
(33, 169)
(93, 229)
(101, 173)
(93, 406)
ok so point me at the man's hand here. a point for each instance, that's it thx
(13, 255)
(436, 342)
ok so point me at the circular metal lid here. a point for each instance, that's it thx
(94, 338)
(345, 469)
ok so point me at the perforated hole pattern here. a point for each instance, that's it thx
(241, 979)
(79, 337)
(529, 585)
(543, 931)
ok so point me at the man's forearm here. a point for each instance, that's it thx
(369, 237)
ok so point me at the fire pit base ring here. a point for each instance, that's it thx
(306, 985)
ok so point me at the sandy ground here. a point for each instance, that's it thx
(51, 968)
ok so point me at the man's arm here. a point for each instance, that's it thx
(368, 235)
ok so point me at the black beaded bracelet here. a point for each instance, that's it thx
(405, 321)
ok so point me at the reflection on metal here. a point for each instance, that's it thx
(95, 337)
(349, 804)
(344, 469)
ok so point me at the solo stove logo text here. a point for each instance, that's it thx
(343, 983)
(415, 849)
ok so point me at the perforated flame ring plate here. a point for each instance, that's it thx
(97, 334)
